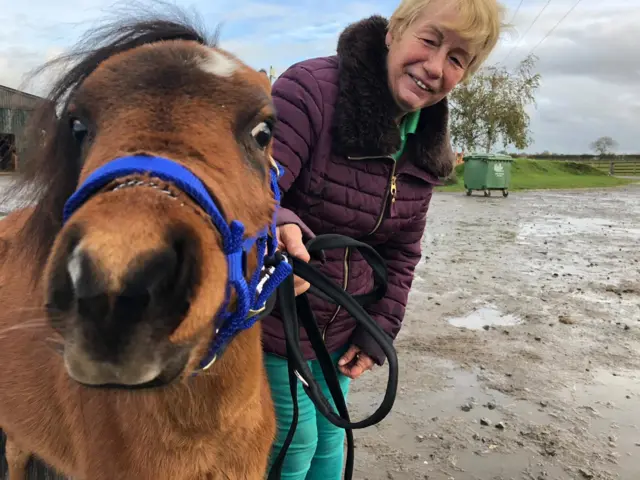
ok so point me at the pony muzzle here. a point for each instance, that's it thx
(217, 294)
(120, 282)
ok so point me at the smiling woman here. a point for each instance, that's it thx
(363, 137)
(433, 46)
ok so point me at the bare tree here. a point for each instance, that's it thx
(604, 146)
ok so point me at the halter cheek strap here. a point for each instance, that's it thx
(251, 295)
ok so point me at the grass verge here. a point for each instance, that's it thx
(546, 174)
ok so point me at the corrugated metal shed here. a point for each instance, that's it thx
(15, 107)
(13, 120)
(15, 99)
(15, 110)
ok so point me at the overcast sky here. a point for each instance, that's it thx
(590, 64)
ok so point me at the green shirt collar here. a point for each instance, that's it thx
(408, 125)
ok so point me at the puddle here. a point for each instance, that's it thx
(485, 316)
(555, 226)
(443, 426)
(612, 396)
(610, 405)
(435, 430)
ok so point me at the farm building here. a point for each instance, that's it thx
(15, 109)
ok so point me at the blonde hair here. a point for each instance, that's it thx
(478, 22)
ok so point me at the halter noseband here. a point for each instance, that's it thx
(251, 295)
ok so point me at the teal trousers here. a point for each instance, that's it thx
(317, 449)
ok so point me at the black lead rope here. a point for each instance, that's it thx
(293, 309)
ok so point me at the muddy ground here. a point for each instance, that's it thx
(544, 381)
(520, 351)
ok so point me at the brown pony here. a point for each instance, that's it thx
(125, 293)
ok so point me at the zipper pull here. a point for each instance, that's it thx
(393, 190)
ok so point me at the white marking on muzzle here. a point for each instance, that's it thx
(74, 267)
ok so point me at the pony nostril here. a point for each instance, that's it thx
(61, 298)
(140, 301)
(131, 306)
(149, 276)
(183, 278)
(95, 307)
(74, 278)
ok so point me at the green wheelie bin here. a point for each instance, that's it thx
(487, 172)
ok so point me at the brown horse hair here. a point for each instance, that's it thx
(228, 404)
(51, 165)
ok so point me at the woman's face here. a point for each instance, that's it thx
(427, 60)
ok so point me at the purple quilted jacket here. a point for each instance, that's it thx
(335, 137)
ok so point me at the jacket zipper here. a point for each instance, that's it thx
(390, 192)
(393, 189)
(345, 284)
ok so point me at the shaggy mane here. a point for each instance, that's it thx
(51, 165)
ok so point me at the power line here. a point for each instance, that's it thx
(554, 27)
(525, 33)
(516, 12)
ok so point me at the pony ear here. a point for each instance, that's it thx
(266, 81)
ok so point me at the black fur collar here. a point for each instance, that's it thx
(363, 120)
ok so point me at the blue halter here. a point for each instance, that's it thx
(252, 295)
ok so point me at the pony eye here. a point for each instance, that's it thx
(78, 129)
(262, 134)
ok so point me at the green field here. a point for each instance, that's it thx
(547, 174)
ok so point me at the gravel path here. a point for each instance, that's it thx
(520, 352)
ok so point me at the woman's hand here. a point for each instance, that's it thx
(354, 362)
(290, 240)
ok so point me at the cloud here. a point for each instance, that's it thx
(590, 64)
(590, 68)
(304, 31)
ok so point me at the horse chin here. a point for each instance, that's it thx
(102, 375)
